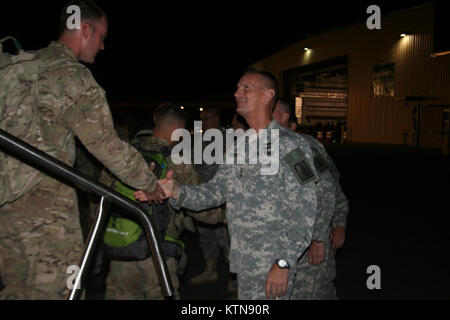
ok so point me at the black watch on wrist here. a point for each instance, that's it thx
(282, 264)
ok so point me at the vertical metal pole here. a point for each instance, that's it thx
(89, 250)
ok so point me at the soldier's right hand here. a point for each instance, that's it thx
(150, 197)
(165, 188)
(337, 237)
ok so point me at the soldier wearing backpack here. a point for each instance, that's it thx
(39, 225)
(134, 280)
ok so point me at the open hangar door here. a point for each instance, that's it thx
(319, 94)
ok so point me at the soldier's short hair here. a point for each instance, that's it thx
(168, 112)
(89, 12)
(285, 107)
(271, 80)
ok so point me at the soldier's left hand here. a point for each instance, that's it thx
(277, 282)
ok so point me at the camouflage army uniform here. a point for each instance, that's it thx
(315, 282)
(87, 202)
(269, 217)
(40, 231)
(137, 280)
(212, 237)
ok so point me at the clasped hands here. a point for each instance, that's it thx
(165, 188)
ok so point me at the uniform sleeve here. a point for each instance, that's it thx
(207, 195)
(89, 117)
(298, 214)
(341, 209)
(338, 215)
(325, 207)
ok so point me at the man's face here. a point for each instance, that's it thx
(250, 94)
(210, 120)
(93, 40)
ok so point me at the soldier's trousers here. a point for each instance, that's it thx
(212, 238)
(315, 282)
(40, 239)
(137, 280)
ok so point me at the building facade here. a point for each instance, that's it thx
(378, 85)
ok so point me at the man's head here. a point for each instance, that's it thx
(210, 118)
(282, 113)
(167, 118)
(88, 40)
(257, 91)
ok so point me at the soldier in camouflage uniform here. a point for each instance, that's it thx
(270, 217)
(40, 231)
(136, 280)
(211, 237)
(316, 269)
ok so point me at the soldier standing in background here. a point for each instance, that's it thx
(134, 280)
(40, 231)
(316, 269)
(211, 237)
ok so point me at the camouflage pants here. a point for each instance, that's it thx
(40, 238)
(252, 284)
(137, 280)
(212, 238)
(315, 282)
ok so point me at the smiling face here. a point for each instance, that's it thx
(251, 94)
(94, 34)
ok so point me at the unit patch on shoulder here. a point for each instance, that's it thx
(299, 166)
(319, 161)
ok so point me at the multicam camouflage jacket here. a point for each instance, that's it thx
(269, 216)
(70, 103)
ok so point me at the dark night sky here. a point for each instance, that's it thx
(188, 49)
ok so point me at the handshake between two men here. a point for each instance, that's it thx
(165, 188)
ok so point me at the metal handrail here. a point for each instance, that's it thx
(42, 160)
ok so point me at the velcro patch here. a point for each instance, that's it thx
(320, 162)
(299, 166)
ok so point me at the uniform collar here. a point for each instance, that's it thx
(61, 46)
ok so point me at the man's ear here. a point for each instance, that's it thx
(285, 117)
(269, 94)
(86, 30)
(293, 126)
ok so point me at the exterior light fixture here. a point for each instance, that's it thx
(404, 34)
(201, 109)
(307, 48)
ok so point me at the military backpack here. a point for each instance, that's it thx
(19, 116)
(124, 238)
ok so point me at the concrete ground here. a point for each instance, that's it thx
(399, 221)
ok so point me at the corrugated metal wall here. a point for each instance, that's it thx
(381, 119)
